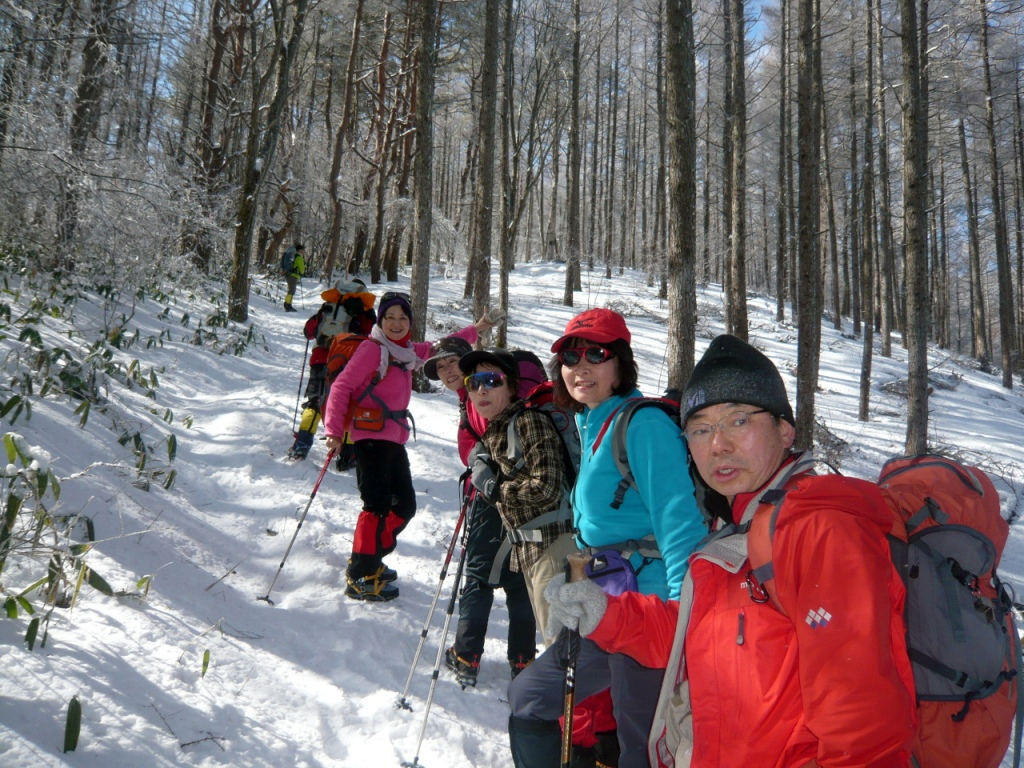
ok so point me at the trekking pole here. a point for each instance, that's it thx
(316, 487)
(403, 702)
(444, 637)
(575, 570)
(298, 394)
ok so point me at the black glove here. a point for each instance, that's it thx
(485, 477)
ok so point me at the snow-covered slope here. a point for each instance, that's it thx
(312, 680)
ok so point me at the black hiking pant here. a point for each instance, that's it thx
(484, 537)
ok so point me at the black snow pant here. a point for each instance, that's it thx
(484, 538)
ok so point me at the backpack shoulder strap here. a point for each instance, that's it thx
(464, 422)
(620, 454)
(729, 547)
(515, 445)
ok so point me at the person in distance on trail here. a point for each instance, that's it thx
(294, 256)
(794, 642)
(655, 528)
(370, 399)
(357, 305)
(484, 538)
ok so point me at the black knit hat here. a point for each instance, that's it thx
(732, 371)
(449, 346)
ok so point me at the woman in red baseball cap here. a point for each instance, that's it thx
(653, 524)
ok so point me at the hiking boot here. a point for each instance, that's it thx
(370, 589)
(289, 308)
(300, 448)
(386, 574)
(298, 452)
(518, 664)
(465, 670)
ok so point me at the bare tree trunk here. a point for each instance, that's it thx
(705, 260)
(1018, 193)
(830, 212)
(660, 203)
(1007, 334)
(867, 255)
(261, 146)
(84, 117)
(728, 118)
(508, 225)
(782, 201)
(342, 139)
(978, 322)
(915, 233)
(942, 292)
(808, 261)
(681, 75)
(885, 261)
(737, 309)
(485, 177)
(592, 236)
(572, 202)
(209, 150)
(854, 217)
(423, 173)
(7, 80)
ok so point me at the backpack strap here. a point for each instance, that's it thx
(727, 547)
(647, 548)
(516, 454)
(464, 422)
(621, 417)
(530, 531)
(398, 416)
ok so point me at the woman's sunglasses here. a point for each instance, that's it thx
(394, 295)
(593, 355)
(484, 380)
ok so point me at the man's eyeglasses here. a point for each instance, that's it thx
(395, 295)
(593, 355)
(484, 380)
(732, 425)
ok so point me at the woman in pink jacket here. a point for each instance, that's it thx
(370, 399)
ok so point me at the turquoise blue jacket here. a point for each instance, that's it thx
(664, 506)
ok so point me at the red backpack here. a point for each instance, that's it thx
(961, 635)
(946, 540)
(343, 346)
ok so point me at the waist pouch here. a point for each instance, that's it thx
(612, 572)
(369, 419)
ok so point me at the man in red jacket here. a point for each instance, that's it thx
(788, 648)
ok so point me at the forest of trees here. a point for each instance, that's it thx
(860, 161)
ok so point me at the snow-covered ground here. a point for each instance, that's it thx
(312, 680)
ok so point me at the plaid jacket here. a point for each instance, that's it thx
(536, 487)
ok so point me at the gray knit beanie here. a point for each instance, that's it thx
(732, 371)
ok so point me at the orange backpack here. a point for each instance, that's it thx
(946, 540)
(961, 635)
(343, 346)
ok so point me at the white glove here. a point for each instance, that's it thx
(575, 605)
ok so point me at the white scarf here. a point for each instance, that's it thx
(406, 357)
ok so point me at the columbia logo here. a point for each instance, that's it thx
(818, 618)
(697, 398)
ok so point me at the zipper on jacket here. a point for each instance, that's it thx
(739, 634)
